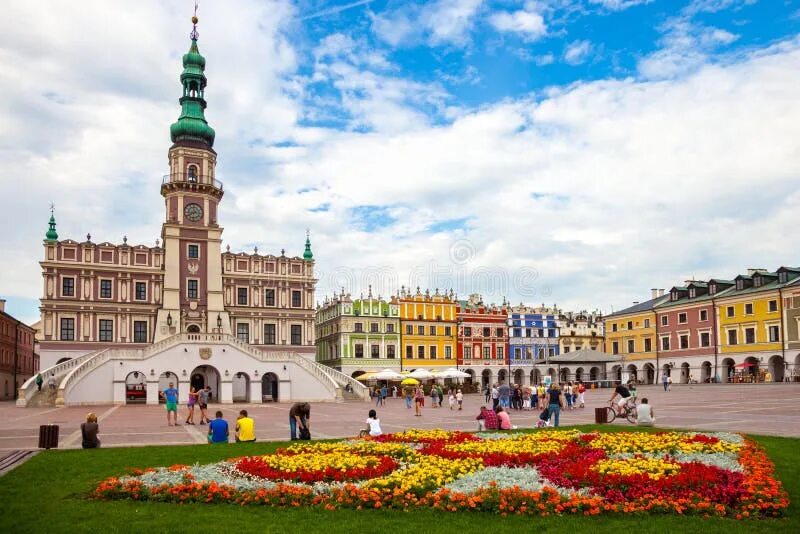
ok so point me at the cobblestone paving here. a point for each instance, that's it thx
(772, 409)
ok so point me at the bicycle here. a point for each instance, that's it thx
(630, 411)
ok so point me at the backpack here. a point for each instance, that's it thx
(305, 433)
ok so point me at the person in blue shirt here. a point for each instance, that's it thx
(218, 430)
(170, 395)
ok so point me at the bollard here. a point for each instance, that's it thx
(48, 436)
(600, 416)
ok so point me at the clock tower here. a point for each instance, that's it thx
(193, 298)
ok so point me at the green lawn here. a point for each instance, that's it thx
(48, 494)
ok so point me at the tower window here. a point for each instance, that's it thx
(193, 251)
(191, 289)
(191, 173)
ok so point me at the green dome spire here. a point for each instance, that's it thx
(51, 234)
(192, 124)
(307, 254)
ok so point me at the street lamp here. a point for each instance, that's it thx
(169, 319)
(219, 323)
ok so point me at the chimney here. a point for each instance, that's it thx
(660, 292)
(753, 270)
(653, 293)
(2, 305)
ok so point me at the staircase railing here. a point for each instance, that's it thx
(28, 389)
(355, 386)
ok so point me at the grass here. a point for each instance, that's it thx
(48, 494)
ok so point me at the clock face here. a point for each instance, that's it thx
(193, 212)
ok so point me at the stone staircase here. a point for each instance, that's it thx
(45, 397)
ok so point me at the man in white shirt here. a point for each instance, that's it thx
(645, 416)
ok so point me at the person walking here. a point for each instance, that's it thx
(439, 394)
(408, 393)
(459, 399)
(299, 417)
(434, 396)
(218, 430)
(245, 428)
(581, 393)
(39, 382)
(89, 431)
(495, 397)
(202, 402)
(384, 394)
(488, 393)
(664, 379)
(190, 406)
(419, 401)
(170, 395)
(451, 399)
(554, 402)
(567, 392)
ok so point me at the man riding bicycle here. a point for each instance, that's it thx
(624, 397)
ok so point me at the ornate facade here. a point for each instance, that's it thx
(428, 329)
(581, 330)
(482, 338)
(359, 335)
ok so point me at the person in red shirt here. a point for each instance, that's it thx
(487, 419)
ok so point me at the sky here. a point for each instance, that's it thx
(569, 152)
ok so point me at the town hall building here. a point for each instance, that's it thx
(121, 321)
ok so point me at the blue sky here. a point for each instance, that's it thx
(577, 152)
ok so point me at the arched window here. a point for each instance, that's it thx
(191, 173)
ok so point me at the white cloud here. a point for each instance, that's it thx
(526, 21)
(587, 195)
(685, 46)
(619, 5)
(440, 22)
(577, 52)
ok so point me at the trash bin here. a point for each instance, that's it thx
(600, 416)
(48, 437)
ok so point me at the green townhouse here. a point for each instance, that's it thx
(360, 335)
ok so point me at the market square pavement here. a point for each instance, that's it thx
(771, 409)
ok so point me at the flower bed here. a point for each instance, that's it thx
(549, 472)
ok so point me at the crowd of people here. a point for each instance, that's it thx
(548, 400)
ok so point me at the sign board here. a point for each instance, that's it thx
(548, 380)
(626, 377)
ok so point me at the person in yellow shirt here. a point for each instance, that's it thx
(245, 428)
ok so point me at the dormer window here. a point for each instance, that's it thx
(692, 293)
(712, 289)
(757, 281)
(674, 296)
(782, 277)
(739, 285)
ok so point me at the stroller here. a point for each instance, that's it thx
(544, 419)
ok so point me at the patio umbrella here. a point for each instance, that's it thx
(366, 376)
(746, 364)
(452, 373)
(388, 374)
(421, 374)
(409, 382)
